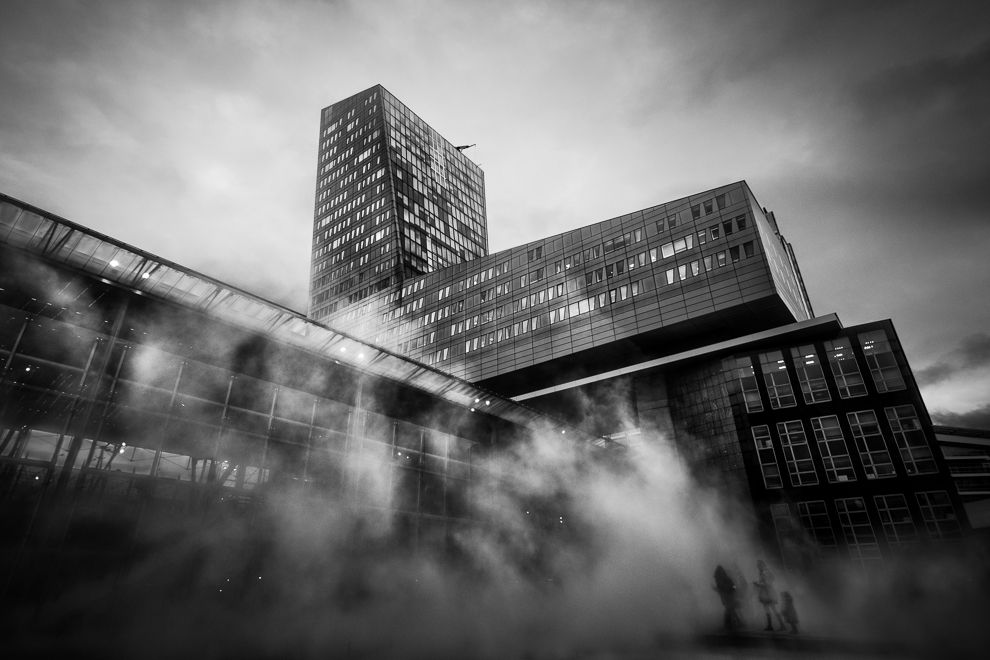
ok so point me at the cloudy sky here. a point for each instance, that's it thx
(189, 129)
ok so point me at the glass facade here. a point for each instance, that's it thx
(845, 370)
(810, 374)
(394, 199)
(584, 289)
(881, 361)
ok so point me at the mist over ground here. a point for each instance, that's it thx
(620, 560)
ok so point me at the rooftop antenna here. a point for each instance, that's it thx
(465, 146)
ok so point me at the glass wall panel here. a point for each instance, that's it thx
(895, 517)
(833, 449)
(870, 443)
(767, 457)
(854, 520)
(910, 440)
(938, 514)
(810, 374)
(797, 453)
(881, 361)
(848, 377)
(778, 383)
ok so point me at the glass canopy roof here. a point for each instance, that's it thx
(63, 241)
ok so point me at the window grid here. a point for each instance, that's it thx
(895, 518)
(871, 445)
(810, 375)
(814, 518)
(747, 384)
(848, 377)
(856, 529)
(910, 440)
(881, 361)
(767, 457)
(833, 449)
(938, 514)
(797, 453)
(778, 384)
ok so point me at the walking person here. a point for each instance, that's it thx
(726, 589)
(789, 611)
(767, 595)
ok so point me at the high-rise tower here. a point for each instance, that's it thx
(394, 199)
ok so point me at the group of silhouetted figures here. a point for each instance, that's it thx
(733, 590)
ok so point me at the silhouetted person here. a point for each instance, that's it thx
(744, 608)
(726, 589)
(790, 614)
(767, 595)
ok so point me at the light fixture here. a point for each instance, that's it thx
(114, 263)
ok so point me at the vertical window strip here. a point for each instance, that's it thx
(857, 530)
(910, 440)
(895, 519)
(767, 457)
(870, 444)
(881, 361)
(778, 383)
(810, 374)
(833, 449)
(938, 514)
(815, 520)
(848, 377)
(797, 453)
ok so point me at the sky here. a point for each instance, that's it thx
(189, 129)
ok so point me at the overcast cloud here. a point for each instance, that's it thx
(189, 130)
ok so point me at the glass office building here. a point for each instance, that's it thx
(394, 200)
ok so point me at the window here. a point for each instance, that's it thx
(895, 519)
(881, 361)
(671, 221)
(714, 231)
(535, 253)
(696, 211)
(775, 376)
(848, 378)
(702, 237)
(797, 453)
(748, 249)
(856, 528)
(810, 375)
(938, 514)
(832, 447)
(720, 258)
(740, 222)
(767, 457)
(708, 262)
(734, 253)
(814, 518)
(870, 444)
(910, 440)
(727, 227)
(708, 206)
(746, 376)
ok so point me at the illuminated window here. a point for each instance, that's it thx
(810, 374)
(775, 376)
(848, 378)
(881, 361)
